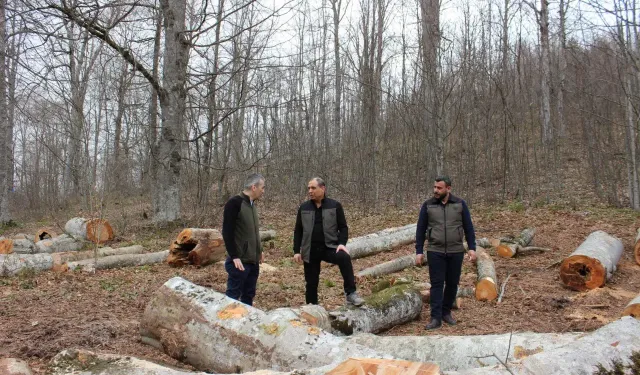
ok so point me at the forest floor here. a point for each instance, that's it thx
(43, 314)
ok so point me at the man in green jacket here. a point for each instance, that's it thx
(241, 234)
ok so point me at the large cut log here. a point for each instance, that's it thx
(60, 260)
(385, 240)
(636, 248)
(13, 264)
(14, 366)
(118, 261)
(593, 262)
(487, 284)
(24, 246)
(366, 366)
(391, 266)
(633, 308)
(388, 308)
(44, 234)
(509, 250)
(94, 230)
(267, 235)
(463, 292)
(6, 245)
(213, 332)
(62, 243)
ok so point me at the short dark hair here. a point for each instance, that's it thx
(445, 179)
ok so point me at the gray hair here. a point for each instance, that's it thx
(253, 180)
(320, 181)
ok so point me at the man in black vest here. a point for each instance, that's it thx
(241, 234)
(321, 233)
(444, 220)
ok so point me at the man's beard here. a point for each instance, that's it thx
(441, 197)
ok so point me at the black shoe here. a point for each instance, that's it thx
(449, 319)
(433, 324)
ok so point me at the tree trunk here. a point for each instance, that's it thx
(593, 262)
(16, 245)
(212, 332)
(636, 247)
(487, 285)
(633, 308)
(387, 239)
(59, 244)
(382, 310)
(356, 366)
(118, 261)
(94, 230)
(545, 85)
(13, 264)
(6, 131)
(509, 250)
(60, 260)
(6, 245)
(391, 266)
(44, 233)
(13, 366)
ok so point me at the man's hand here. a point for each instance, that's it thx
(342, 248)
(419, 259)
(238, 263)
(261, 258)
(472, 256)
(297, 258)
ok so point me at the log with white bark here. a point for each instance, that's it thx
(60, 260)
(118, 261)
(62, 243)
(44, 234)
(213, 332)
(385, 240)
(511, 249)
(24, 246)
(267, 235)
(593, 262)
(463, 292)
(636, 247)
(385, 309)
(14, 366)
(633, 308)
(13, 264)
(391, 266)
(487, 284)
(94, 230)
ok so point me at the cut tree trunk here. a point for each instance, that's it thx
(487, 285)
(391, 266)
(13, 264)
(13, 366)
(24, 246)
(593, 262)
(487, 243)
(385, 240)
(388, 308)
(60, 260)
(509, 250)
(62, 243)
(633, 308)
(94, 230)
(365, 366)
(212, 332)
(118, 261)
(6, 245)
(463, 292)
(267, 235)
(636, 248)
(44, 234)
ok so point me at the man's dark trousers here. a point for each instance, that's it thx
(312, 271)
(241, 285)
(444, 273)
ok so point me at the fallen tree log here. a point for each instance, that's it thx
(94, 230)
(633, 308)
(62, 243)
(385, 240)
(44, 234)
(636, 247)
(6, 245)
(14, 366)
(212, 332)
(267, 235)
(487, 284)
(593, 262)
(463, 292)
(388, 308)
(511, 249)
(24, 246)
(118, 261)
(391, 266)
(60, 259)
(13, 264)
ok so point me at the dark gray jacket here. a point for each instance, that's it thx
(445, 226)
(334, 223)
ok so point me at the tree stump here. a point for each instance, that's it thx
(487, 285)
(593, 262)
(633, 308)
(94, 230)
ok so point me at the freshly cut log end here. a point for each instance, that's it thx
(99, 231)
(6, 246)
(486, 289)
(633, 308)
(358, 366)
(636, 248)
(44, 234)
(506, 251)
(580, 272)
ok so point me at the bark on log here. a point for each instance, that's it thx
(509, 250)
(24, 246)
(13, 264)
(391, 266)
(388, 308)
(593, 262)
(44, 234)
(387, 239)
(94, 230)
(62, 243)
(14, 366)
(212, 332)
(636, 248)
(463, 292)
(118, 261)
(60, 260)
(633, 308)
(6, 245)
(267, 235)
(487, 285)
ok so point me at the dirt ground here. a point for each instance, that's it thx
(40, 315)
